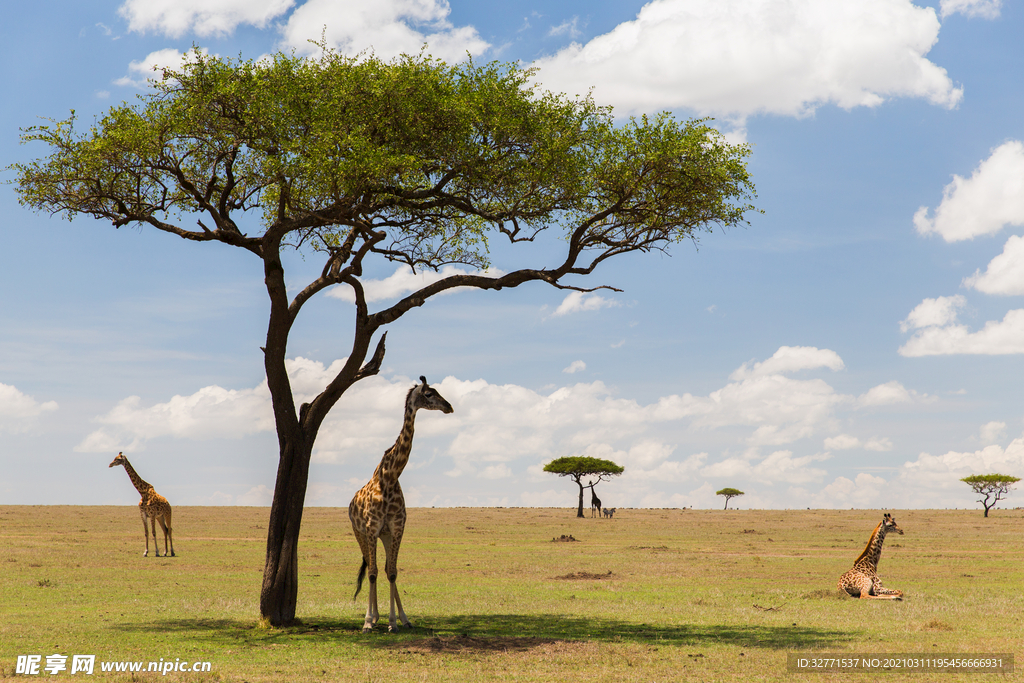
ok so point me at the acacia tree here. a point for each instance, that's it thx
(413, 161)
(993, 487)
(729, 493)
(576, 467)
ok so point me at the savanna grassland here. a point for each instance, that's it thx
(651, 595)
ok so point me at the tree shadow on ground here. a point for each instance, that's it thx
(499, 632)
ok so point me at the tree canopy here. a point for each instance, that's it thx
(576, 467)
(993, 487)
(729, 493)
(412, 161)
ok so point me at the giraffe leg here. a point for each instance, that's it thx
(371, 607)
(145, 530)
(156, 543)
(165, 524)
(392, 541)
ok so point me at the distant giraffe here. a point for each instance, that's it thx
(595, 502)
(862, 581)
(378, 509)
(153, 507)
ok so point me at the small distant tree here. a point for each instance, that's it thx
(728, 493)
(578, 467)
(993, 487)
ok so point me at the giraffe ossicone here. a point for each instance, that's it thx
(153, 507)
(862, 580)
(378, 509)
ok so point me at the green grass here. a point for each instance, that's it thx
(651, 595)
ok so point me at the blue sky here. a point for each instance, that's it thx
(858, 345)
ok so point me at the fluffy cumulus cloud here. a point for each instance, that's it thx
(985, 9)
(18, 411)
(936, 312)
(932, 478)
(574, 367)
(997, 337)
(576, 302)
(387, 27)
(735, 58)
(1004, 274)
(150, 67)
(404, 281)
(992, 198)
(500, 435)
(212, 412)
(888, 394)
(205, 18)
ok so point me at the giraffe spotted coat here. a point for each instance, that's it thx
(378, 509)
(862, 580)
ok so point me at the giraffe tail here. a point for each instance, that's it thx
(359, 579)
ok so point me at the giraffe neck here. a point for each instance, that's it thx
(873, 550)
(141, 485)
(397, 457)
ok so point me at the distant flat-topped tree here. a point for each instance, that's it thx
(578, 467)
(356, 161)
(993, 487)
(729, 493)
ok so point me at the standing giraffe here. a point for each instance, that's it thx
(595, 502)
(153, 506)
(378, 509)
(862, 581)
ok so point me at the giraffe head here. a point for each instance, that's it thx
(427, 398)
(119, 460)
(889, 522)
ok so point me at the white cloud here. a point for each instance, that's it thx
(386, 27)
(569, 27)
(575, 302)
(404, 281)
(930, 475)
(986, 9)
(175, 18)
(886, 394)
(259, 496)
(791, 359)
(992, 198)
(842, 442)
(736, 58)
(996, 338)
(212, 412)
(574, 367)
(880, 444)
(18, 411)
(992, 431)
(149, 68)
(1005, 273)
(865, 490)
(934, 312)
(777, 466)
(499, 471)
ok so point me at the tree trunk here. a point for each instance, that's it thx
(579, 512)
(281, 572)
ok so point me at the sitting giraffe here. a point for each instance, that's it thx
(378, 509)
(862, 581)
(153, 506)
(595, 502)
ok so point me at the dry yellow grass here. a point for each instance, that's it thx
(651, 595)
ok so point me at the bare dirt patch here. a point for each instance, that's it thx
(467, 643)
(587, 576)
